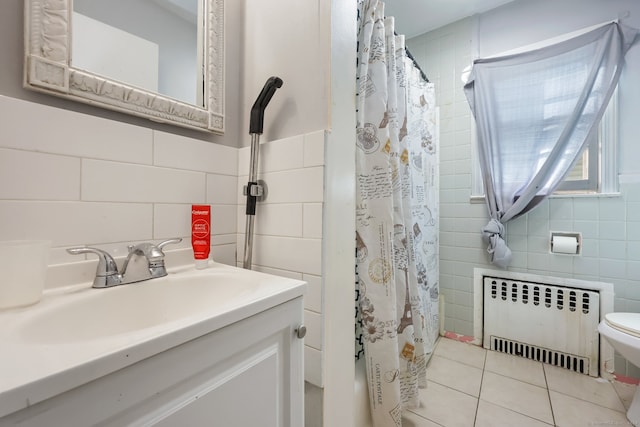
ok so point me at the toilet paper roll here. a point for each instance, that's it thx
(565, 245)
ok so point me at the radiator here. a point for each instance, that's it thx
(543, 322)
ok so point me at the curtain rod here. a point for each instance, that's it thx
(415, 63)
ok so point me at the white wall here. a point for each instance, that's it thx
(288, 227)
(610, 225)
(288, 39)
(339, 220)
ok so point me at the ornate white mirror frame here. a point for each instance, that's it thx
(47, 68)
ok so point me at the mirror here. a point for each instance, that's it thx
(138, 52)
(99, 55)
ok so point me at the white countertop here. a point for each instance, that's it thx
(36, 366)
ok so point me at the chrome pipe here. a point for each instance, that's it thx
(248, 243)
(255, 154)
(253, 178)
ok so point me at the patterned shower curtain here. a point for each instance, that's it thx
(396, 217)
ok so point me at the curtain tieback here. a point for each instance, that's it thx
(492, 234)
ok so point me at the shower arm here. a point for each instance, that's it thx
(253, 190)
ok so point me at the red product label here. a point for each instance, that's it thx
(200, 230)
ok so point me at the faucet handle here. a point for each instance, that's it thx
(152, 251)
(107, 271)
(168, 242)
(156, 262)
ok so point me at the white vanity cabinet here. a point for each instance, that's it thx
(248, 373)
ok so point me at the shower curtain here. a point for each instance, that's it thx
(396, 217)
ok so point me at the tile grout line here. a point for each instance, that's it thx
(546, 382)
(484, 366)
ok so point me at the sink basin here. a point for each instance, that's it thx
(98, 313)
(77, 334)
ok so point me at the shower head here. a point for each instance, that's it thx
(257, 111)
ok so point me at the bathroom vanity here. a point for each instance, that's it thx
(217, 347)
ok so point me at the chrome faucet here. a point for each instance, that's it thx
(107, 274)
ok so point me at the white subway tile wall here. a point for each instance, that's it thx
(76, 180)
(283, 220)
(171, 220)
(288, 226)
(39, 128)
(48, 177)
(312, 220)
(294, 186)
(222, 189)
(313, 297)
(124, 182)
(180, 152)
(72, 223)
(288, 253)
(610, 226)
(314, 149)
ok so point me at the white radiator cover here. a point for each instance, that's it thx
(548, 319)
(551, 324)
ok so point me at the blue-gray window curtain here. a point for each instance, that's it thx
(535, 112)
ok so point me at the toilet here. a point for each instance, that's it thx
(622, 331)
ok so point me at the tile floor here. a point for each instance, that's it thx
(470, 386)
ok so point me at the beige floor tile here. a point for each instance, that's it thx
(512, 393)
(625, 392)
(515, 367)
(490, 415)
(461, 352)
(446, 406)
(517, 396)
(409, 419)
(595, 390)
(461, 377)
(571, 412)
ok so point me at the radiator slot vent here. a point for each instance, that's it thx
(548, 323)
(540, 354)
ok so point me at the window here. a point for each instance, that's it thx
(596, 170)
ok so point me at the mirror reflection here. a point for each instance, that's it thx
(151, 44)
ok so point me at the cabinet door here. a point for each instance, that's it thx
(244, 375)
(245, 394)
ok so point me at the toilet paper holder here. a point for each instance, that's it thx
(567, 243)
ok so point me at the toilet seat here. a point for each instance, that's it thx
(629, 323)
